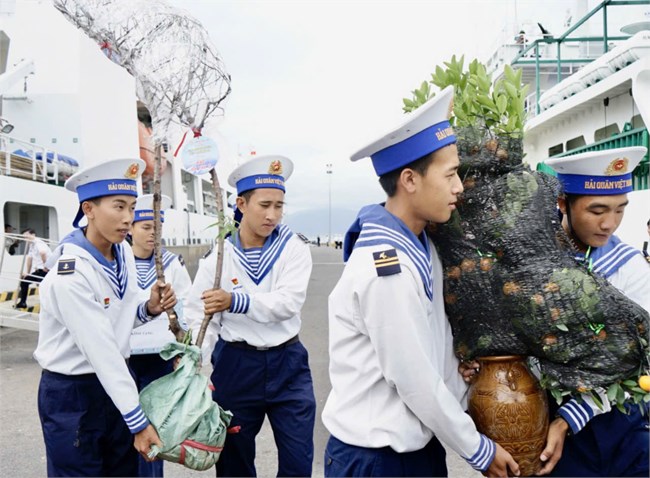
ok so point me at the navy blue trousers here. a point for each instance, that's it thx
(612, 444)
(85, 434)
(145, 369)
(253, 384)
(342, 459)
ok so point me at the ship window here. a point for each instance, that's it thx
(606, 132)
(43, 219)
(637, 122)
(554, 150)
(189, 189)
(575, 143)
(209, 199)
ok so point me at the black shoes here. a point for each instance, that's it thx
(21, 305)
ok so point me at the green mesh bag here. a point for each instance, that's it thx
(191, 426)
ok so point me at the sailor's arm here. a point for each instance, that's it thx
(396, 322)
(282, 303)
(193, 307)
(92, 332)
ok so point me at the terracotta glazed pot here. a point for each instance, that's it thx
(508, 405)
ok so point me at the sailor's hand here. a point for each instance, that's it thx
(162, 298)
(469, 369)
(143, 441)
(552, 453)
(216, 300)
(503, 464)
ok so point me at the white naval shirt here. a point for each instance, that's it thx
(633, 280)
(84, 327)
(36, 248)
(264, 314)
(394, 375)
(154, 335)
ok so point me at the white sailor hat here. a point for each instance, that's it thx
(110, 178)
(598, 173)
(144, 207)
(424, 131)
(263, 172)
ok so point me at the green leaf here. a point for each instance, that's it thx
(557, 395)
(510, 74)
(486, 101)
(502, 103)
(611, 392)
(511, 90)
(562, 327)
(596, 399)
(646, 399)
(630, 383)
(620, 395)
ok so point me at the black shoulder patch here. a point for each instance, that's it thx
(66, 266)
(387, 262)
(181, 260)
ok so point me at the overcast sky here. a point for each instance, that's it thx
(316, 80)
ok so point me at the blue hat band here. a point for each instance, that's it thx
(260, 181)
(417, 146)
(147, 215)
(107, 187)
(596, 185)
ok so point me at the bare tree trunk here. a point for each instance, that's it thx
(217, 275)
(174, 326)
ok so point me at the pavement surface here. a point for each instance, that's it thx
(22, 452)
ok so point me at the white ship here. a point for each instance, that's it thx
(589, 89)
(70, 107)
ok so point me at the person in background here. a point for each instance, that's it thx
(149, 339)
(37, 255)
(88, 402)
(260, 366)
(396, 393)
(10, 244)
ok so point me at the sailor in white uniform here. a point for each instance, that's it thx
(260, 366)
(593, 203)
(90, 302)
(147, 341)
(396, 392)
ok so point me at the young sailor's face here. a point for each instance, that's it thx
(142, 233)
(262, 212)
(594, 218)
(440, 186)
(112, 217)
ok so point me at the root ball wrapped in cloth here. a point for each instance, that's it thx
(191, 426)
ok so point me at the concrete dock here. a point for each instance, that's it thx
(22, 452)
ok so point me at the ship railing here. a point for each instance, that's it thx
(31, 161)
(590, 47)
(629, 137)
